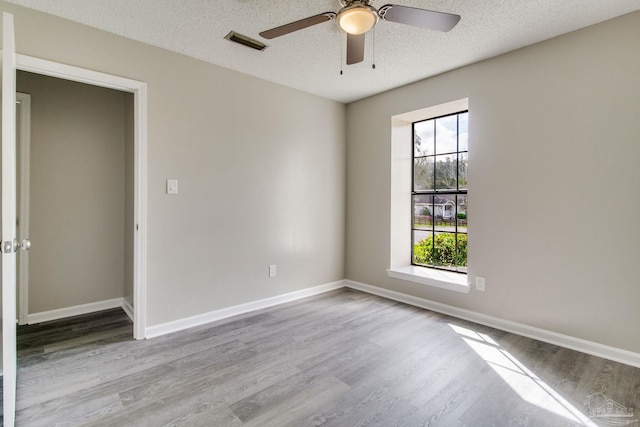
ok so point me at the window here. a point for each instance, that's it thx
(439, 192)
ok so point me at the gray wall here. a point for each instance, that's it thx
(553, 183)
(77, 192)
(261, 172)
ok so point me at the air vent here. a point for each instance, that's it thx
(244, 40)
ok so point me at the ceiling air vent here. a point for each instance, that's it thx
(244, 40)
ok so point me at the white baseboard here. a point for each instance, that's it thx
(76, 310)
(573, 343)
(612, 353)
(127, 308)
(223, 313)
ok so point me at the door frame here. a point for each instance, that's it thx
(139, 91)
(23, 134)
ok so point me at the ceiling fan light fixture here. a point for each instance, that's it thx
(357, 18)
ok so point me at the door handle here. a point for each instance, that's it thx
(25, 245)
(12, 246)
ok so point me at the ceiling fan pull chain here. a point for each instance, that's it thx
(342, 41)
(373, 48)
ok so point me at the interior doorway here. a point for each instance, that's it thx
(137, 91)
(75, 198)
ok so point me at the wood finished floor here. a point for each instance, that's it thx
(343, 358)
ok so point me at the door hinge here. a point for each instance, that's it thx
(9, 246)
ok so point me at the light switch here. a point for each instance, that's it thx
(172, 186)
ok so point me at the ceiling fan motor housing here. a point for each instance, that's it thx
(345, 3)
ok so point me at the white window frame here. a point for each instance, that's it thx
(401, 169)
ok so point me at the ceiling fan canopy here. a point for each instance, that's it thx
(356, 17)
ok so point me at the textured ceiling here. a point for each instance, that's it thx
(310, 59)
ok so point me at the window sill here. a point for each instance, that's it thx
(456, 282)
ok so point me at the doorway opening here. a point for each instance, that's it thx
(74, 198)
(137, 225)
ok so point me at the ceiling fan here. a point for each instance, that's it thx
(356, 17)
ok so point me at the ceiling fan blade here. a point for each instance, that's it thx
(297, 25)
(355, 48)
(429, 19)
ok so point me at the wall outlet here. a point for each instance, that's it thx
(172, 186)
(272, 270)
(480, 284)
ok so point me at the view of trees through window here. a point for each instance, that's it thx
(439, 192)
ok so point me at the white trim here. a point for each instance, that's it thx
(23, 210)
(449, 280)
(140, 214)
(76, 310)
(223, 313)
(573, 343)
(139, 90)
(76, 74)
(127, 308)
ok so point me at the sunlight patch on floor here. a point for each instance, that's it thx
(524, 382)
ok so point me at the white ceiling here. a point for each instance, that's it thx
(310, 59)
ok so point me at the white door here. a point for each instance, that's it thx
(9, 242)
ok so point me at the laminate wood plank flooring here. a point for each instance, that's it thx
(344, 358)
